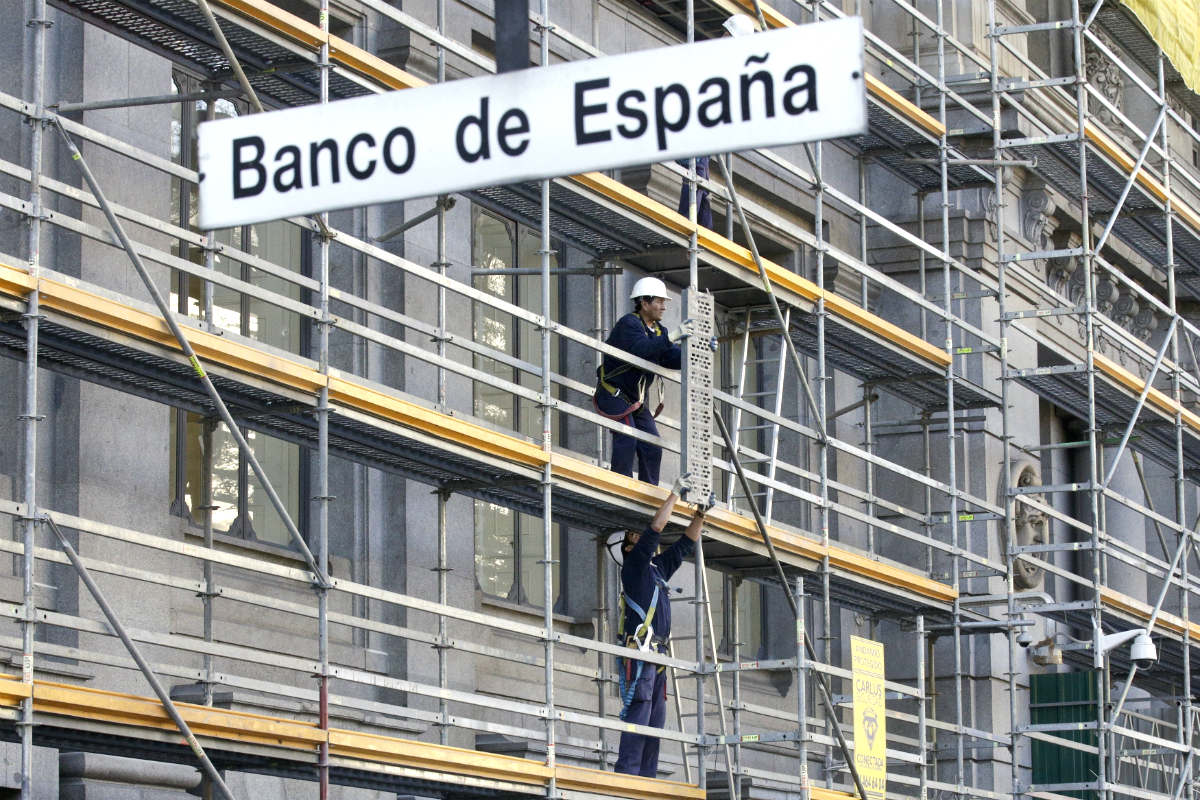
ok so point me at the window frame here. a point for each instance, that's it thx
(518, 591)
(182, 192)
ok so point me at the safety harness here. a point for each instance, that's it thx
(629, 670)
(611, 391)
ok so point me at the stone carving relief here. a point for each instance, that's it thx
(1060, 271)
(1125, 309)
(989, 214)
(1144, 323)
(1037, 220)
(1030, 525)
(1107, 295)
(1106, 77)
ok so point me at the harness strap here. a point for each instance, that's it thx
(626, 417)
(641, 639)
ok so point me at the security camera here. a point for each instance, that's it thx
(1025, 637)
(1142, 652)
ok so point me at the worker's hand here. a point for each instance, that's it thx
(681, 484)
(712, 344)
(684, 329)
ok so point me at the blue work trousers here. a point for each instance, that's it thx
(639, 754)
(649, 456)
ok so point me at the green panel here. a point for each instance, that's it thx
(1064, 697)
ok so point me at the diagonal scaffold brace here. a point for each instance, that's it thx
(320, 577)
(822, 685)
(164, 697)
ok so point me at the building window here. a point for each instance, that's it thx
(751, 619)
(239, 505)
(508, 544)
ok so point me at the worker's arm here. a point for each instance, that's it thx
(630, 335)
(664, 511)
(683, 547)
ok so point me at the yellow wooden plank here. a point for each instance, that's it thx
(901, 105)
(615, 784)
(787, 541)
(606, 480)
(821, 793)
(13, 691)
(15, 280)
(882, 92)
(277, 19)
(441, 758)
(127, 709)
(216, 349)
(1166, 621)
(372, 66)
(346, 391)
(1117, 153)
(1154, 397)
(742, 257)
(340, 50)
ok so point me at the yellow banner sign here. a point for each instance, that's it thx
(870, 730)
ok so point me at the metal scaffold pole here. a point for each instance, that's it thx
(824, 383)
(37, 25)
(209, 592)
(736, 699)
(699, 581)
(443, 643)
(822, 685)
(547, 401)
(442, 265)
(801, 689)
(603, 634)
(323, 498)
(159, 690)
(922, 722)
(1099, 662)
(207, 505)
(951, 426)
(1184, 778)
(318, 571)
(1009, 520)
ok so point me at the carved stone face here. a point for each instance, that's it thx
(1031, 528)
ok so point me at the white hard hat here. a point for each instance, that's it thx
(648, 287)
(740, 25)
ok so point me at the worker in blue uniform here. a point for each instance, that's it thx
(645, 625)
(622, 390)
(704, 215)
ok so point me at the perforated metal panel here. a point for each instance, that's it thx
(696, 455)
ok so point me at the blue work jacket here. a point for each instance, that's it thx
(639, 572)
(652, 344)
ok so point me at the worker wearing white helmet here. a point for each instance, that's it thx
(622, 389)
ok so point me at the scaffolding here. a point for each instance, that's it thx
(857, 325)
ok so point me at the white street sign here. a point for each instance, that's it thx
(792, 85)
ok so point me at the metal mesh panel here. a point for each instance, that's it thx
(178, 30)
(1142, 224)
(698, 399)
